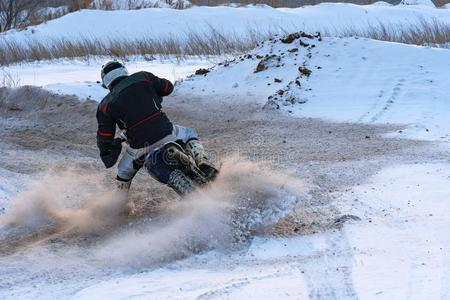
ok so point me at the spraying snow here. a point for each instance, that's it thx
(69, 200)
(245, 199)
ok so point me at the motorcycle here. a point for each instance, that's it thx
(172, 165)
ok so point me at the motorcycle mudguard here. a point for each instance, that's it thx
(159, 164)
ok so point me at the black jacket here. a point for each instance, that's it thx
(134, 105)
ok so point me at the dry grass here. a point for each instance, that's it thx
(440, 3)
(279, 3)
(213, 42)
(75, 5)
(139, 4)
(422, 32)
(9, 80)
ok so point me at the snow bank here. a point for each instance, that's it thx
(381, 3)
(164, 22)
(345, 80)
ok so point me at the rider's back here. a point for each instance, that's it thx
(134, 104)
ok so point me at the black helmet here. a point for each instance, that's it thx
(111, 71)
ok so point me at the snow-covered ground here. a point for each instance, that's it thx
(398, 252)
(82, 77)
(395, 242)
(163, 23)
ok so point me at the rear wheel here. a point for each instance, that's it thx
(187, 164)
(180, 183)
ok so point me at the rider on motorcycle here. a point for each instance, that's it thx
(134, 105)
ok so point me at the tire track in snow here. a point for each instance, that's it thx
(381, 104)
(225, 289)
(329, 276)
(390, 101)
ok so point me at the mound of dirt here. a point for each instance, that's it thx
(275, 70)
(290, 94)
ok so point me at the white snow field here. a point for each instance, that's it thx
(394, 241)
(165, 22)
(81, 77)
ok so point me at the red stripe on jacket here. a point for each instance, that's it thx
(148, 118)
(105, 134)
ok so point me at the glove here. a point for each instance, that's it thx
(110, 151)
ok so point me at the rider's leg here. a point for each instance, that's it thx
(126, 170)
(128, 166)
(196, 150)
(123, 187)
(123, 184)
